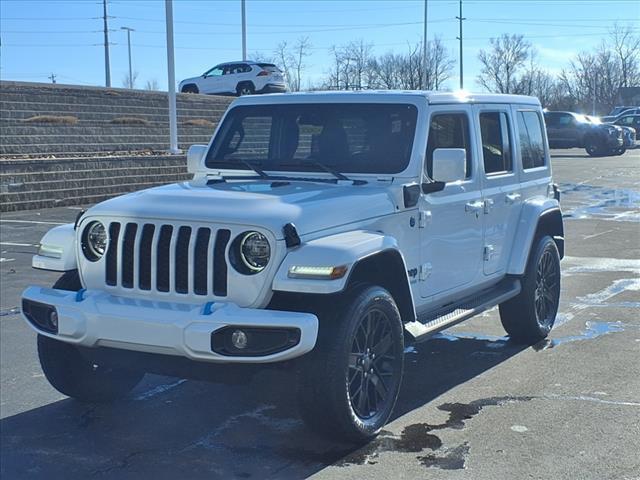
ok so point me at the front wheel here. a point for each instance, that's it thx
(529, 317)
(350, 382)
(73, 375)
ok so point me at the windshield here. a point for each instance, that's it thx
(349, 138)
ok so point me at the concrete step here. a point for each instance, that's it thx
(45, 166)
(33, 189)
(77, 192)
(18, 129)
(7, 108)
(94, 147)
(28, 181)
(66, 199)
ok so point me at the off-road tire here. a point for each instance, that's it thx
(245, 88)
(190, 88)
(69, 281)
(72, 374)
(525, 319)
(330, 375)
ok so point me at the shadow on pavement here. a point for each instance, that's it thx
(191, 429)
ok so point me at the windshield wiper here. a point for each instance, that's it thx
(255, 168)
(330, 170)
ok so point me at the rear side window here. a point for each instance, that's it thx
(448, 130)
(269, 67)
(496, 147)
(531, 139)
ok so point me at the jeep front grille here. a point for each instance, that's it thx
(180, 259)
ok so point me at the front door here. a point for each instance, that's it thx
(451, 220)
(212, 81)
(500, 188)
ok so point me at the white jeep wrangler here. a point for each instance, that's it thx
(320, 231)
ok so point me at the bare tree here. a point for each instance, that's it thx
(300, 53)
(130, 81)
(405, 71)
(262, 57)
(626, 46)
(292, 60)
(439, 64)
(152, 85)
(502, 62)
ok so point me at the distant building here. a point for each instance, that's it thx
(628, 96)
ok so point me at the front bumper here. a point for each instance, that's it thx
(98, 319)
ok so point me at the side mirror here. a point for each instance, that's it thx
(449, 164)
(195, 157)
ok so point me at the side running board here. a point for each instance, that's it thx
(447, 316)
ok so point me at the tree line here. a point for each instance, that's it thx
(510, 64)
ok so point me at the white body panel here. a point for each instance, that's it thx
(62, 238)
(440, 239)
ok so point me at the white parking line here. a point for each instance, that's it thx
(31, 221)
(11, 244)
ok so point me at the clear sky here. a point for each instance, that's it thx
(40, 37)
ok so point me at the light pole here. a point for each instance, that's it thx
(244, 31)
(424, 49)
(129, 30)
(173, 121)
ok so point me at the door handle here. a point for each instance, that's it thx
(511, 198)
(473, 206)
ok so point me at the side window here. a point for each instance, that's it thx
(565, 121)
(531, 139)
(448, 130)
(496, 147)
(214, 72)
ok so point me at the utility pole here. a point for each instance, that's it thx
(173, 121)
(460, 19)
(52, 77)
(424, 48)
(244, 31)
(107, 69)
(129, 30)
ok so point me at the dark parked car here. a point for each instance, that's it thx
(572, 130)
(632, 121)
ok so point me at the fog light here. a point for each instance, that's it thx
(239, 339)
(53, 319)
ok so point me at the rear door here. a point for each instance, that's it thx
(501, 195)
(451, 220)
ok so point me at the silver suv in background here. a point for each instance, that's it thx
(237, 78)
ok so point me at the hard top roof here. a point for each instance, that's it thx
(433, 98)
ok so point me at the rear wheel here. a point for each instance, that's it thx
(529, 317)
(72, 374)
(350, 382)
(245, 88)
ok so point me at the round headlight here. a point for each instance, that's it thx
(255, 251)
(94, 241)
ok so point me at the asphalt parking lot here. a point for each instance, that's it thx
(473, 406)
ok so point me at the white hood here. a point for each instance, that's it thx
(311, 206)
